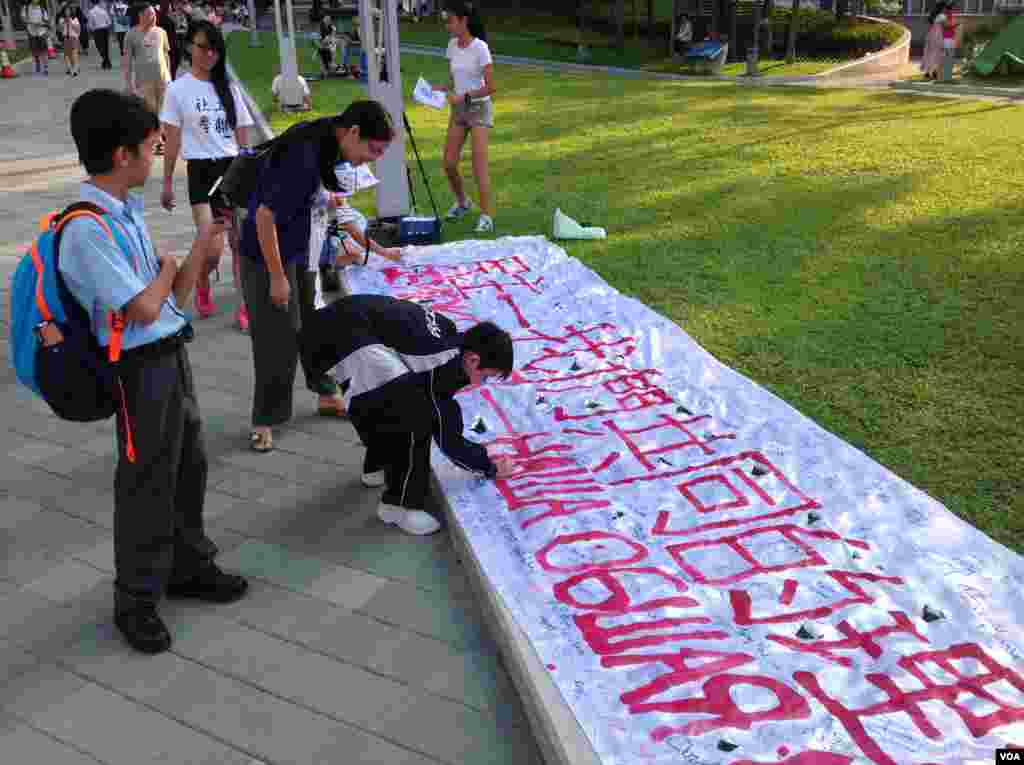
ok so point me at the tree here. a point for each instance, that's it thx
(620, 24)
(791, 32)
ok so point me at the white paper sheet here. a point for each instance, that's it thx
(425, 94)
(708, 575)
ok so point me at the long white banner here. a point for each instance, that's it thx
(708, 575)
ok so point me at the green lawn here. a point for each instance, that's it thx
(857, 253)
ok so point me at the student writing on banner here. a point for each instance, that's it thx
(403, 365)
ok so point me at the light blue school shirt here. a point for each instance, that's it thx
(101, 275)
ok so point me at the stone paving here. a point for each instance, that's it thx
(356, 644)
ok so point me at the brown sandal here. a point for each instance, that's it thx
(261, 441)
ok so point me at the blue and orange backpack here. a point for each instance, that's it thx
(53, 349)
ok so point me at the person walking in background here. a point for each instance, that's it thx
(205, 120)
(949, 25)
(472, 113)
(146, 65)
(684, 35)
(119, 12)
(160, 542)
(37, 26)
(165, 21)
(931, 64)
(100, 24)
(327, 45)
(72, 32)
(275, 244)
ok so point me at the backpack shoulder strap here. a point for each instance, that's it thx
(59, 221)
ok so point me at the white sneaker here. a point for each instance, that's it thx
(457, 211)
(414, 522)
(374, 480)
(485, 224)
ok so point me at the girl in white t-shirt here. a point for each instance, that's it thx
(472, 113)
(206, 120)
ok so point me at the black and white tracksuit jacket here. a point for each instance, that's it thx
(403, 366)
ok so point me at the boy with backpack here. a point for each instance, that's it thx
(160, 545)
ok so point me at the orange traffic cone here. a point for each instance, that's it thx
(6, 70)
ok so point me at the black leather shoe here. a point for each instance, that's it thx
(210, 584)
(143, 630)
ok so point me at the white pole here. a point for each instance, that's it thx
(379, 27)
(254, 37)
(291, 91)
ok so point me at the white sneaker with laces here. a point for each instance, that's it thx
(485, 224)
(457, 211)
(414, 522)
(375, 479)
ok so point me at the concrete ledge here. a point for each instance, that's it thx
(890, 59)
(558, 733)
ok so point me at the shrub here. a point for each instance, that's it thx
(984, 33)
(820, 34)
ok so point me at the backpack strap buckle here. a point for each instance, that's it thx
(48, 334)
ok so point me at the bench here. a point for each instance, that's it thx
(707, 57)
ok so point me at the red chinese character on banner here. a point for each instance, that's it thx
(631, 392)
(790, 540)
(548, 478)
(618, 603)
(673, 435)
(589, 548)
(853, 640)
(432, 274)
(728, 492)
(742, 603)
(587, 343)
(951, 663)
(449, 289)
(717, 699)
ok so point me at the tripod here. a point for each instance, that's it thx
(412, 229)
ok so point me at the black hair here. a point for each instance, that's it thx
(104, 120)
(471, 12)
(492, 344)
(370, 117)
(135, 12)
(939, 8)
(219, 73)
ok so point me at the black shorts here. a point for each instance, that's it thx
(202, 174)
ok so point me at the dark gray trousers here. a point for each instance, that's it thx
(158, 498)
(275, 348)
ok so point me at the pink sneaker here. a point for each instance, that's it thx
(243, 318)
(204, 302)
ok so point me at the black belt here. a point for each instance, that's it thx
(158, 348)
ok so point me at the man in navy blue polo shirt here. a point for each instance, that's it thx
(160, 545)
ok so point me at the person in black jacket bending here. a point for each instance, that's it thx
(404, 364)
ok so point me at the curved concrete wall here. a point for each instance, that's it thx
(889, 59)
